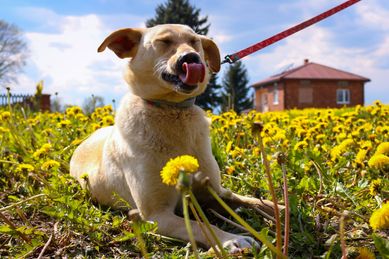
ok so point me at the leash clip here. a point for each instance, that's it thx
(227, 59)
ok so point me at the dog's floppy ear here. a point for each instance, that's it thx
(212, 54)
(123, 42)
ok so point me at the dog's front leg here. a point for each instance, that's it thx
(172, 225)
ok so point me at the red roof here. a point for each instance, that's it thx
(310, 71)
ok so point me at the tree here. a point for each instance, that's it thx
(236, 92)
(181, 12)
(91, 103)
(211, 98)
(13, 52)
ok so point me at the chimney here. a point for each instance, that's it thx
(306, 61)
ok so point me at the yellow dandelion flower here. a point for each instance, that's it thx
(361, 156)
(25, 167)
(380, 218)
(46, 147)
(5, 115)
(38, 154)
(382, 148)
(4, 130)
(50, 164)
(108, 120)
(95, 126)
(375, 187)
(63, 123)
(300, 145)
(229, 147)
(108, 108)
(367, 145)
(341, 148)
(172, 169)
(230, 169)
(379, 161)
(365, 253)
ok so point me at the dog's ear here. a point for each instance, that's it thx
(212, 54)
(123, 42)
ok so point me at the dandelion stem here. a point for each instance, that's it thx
(287, 211)
(206, 222)
(188, 223)
(247, 226)
(272, 192)
(202, 227)
(341, 236)
(21, 202)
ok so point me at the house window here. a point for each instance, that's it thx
(305, 82)
(343, 83)
(305, 94)
(342, 96)
(275, 94)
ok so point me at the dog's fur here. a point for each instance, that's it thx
(126, 159)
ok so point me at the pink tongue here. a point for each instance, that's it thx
(193, 73)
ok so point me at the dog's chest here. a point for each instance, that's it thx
(163, 130)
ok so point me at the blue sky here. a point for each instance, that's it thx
(63, 37)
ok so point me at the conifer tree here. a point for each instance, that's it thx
(236, 91)
(181, 12)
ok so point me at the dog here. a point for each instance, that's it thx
(169, 65)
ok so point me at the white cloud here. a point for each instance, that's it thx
(373, 14)
(68, 62)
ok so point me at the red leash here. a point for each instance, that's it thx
(273, 39)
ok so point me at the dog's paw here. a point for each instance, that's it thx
(240, 244)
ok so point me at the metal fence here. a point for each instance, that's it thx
(29, 100)
(15, 98)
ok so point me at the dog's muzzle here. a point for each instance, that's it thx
(190, 71)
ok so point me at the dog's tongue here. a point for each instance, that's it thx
(193, 73)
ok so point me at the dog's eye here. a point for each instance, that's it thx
(193, 42)
(165, 41)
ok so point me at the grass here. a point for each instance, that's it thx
(335, 182)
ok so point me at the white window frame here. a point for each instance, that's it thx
(275, 94)
(344, 95)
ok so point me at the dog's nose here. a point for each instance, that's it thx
(190, 57)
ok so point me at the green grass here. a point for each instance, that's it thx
(43, 209)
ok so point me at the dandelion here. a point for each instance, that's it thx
(3, 130)
(63, 123)
(379, 161)
(375, 187)
(361, 156)
(365, 253)
(382, 148)
(300, 145)
(5, 115)
(341, 148)
(380, 218)
(172, 169)
(50, 164)
(25, 167)
(230, 169)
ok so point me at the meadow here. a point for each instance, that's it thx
(336, 162)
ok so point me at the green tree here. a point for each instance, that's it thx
(13, 52)
(236, 91)
(211, 98)
(181, 12)
(91, 103)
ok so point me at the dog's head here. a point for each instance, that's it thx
(168, 62)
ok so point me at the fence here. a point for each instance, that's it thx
(26, 100)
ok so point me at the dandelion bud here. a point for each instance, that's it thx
(257, 127)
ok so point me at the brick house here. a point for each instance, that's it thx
(309, 85)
